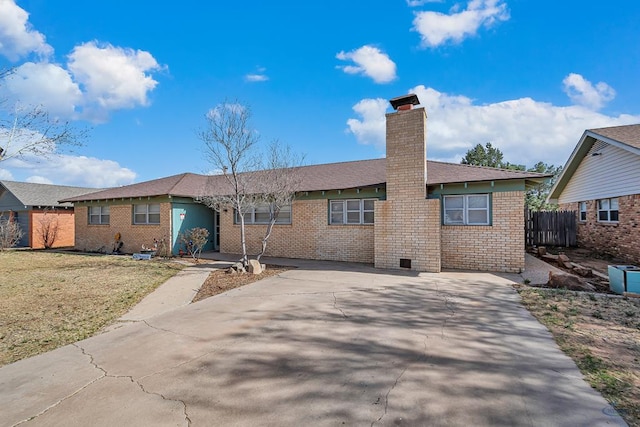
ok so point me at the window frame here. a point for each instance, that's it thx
(101, 215)
(465, 209)
(147, 214)
(250, 216)
(364, 212)
(582, 211)
(610, 212)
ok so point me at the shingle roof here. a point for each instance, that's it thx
(629, 134)
(30, 194)
(626, 137)
(331, 176)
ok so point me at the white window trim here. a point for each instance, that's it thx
(466, 209)
(146, 214)
(250, 217)
(581, 211)
(344, 203)
(609, 210)
(100, 216)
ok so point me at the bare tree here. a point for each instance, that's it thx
(279, 184)
(10, 232)
(48, 232)
(31, 130)
(229, 147)
(232, 147)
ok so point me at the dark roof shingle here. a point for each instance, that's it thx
(31, 194)
(629, 134)
(331, 176)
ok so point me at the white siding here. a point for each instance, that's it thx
(615, 172)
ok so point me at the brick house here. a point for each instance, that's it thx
(398, 212)
(34, 206)
(601, 183)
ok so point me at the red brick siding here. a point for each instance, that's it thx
(621, 239)
(62, 219)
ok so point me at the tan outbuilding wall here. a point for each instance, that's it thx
(309, 236)
(101, 237)
(496, 247)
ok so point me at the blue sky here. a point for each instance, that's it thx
(527, 76)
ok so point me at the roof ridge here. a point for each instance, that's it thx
(47, 185)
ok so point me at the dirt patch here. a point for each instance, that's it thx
(601, 333)
(589, 259)
(220, 281)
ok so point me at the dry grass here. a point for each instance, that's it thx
(49, 299)
(601, 334)
(220, 281)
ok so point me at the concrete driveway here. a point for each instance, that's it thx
(336, 345)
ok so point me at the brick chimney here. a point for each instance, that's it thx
(406, 150)
(407, 224)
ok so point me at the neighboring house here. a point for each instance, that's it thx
(601, 182)
(36, 208)
(398, 212)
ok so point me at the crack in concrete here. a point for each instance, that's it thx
(130, 378)
(47, 409)
(449, 305)
(335, 305)
(105, 374)
(386, 397)
(423, 357)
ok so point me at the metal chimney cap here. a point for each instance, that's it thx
(410, 99)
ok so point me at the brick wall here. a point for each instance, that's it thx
(407, 224)
(620, 239)
(309, 236)
(101, 237)
(63, 220)
(406, 155)
(408, 229)
(498, 247)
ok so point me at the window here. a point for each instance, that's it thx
(583, 211)
(608, 210)
(98, 214)
(472, 209)
(146, 214)
(260, 215)
(352, 211)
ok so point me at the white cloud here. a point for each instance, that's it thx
(583, 92)
(44, 84)
(371, 62)
(525, 130)
(113, 77)
(416, 3)
(72, 170)
(17, 38)
(256, 77)
(371, 128)
(6, 175)
(35, 179)
(437, 28)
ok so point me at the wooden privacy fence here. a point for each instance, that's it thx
(550, 228)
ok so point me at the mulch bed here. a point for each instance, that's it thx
(220, 281)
